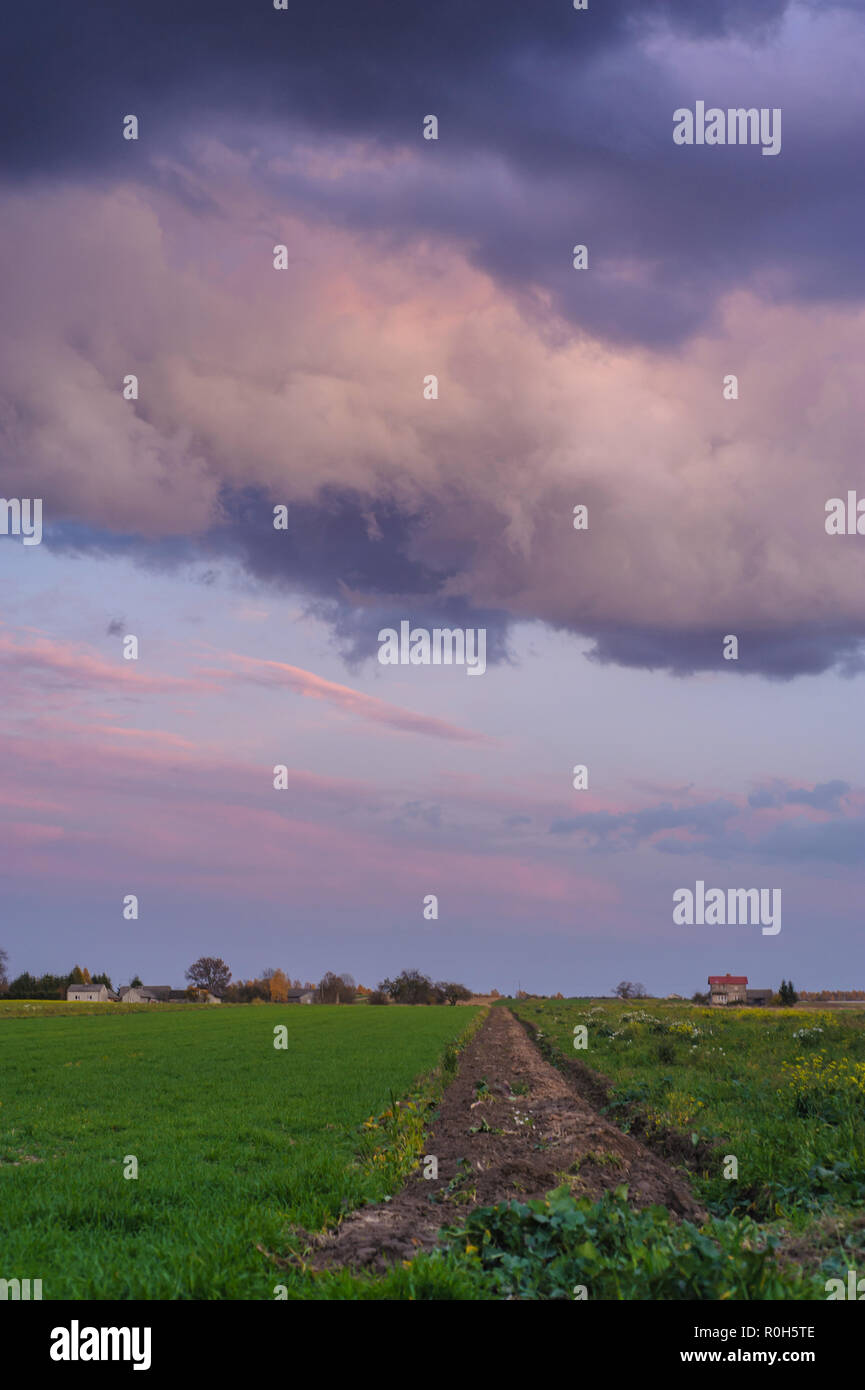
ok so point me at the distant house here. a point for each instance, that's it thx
(144, 994)
(161, 994)
(760, 996)
(728, 989)
(91, 994)
(300, 996)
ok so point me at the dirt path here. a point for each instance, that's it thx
(494, 1142)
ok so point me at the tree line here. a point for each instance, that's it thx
(411, 987)
(272, 986)
(48, 986)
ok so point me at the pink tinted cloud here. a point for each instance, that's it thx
(66, 666)
(222, 829)
(98, 808)
(368, 707)
(73, 667)
(311, 378)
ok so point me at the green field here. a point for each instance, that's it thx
(781, 1090)
(60, 1008)
(241, 1145)
(236, 1141)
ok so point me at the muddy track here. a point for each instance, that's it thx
(593, 1086)
(509, 1126)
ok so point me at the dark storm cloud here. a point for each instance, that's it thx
(356, 575)
(360, 576)
(72, 71)
(808, 650)
(555, 128)
(358, 572)
(569, 103)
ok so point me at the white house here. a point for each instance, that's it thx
(161, 994)
(128, 995)
(90, 994)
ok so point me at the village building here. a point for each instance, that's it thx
(91, 994)
(760, 996)
(733, 989)
(161, 994)
(728, 989)
(145, 994)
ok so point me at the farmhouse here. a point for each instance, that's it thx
(300, 996)
(733, 989)
(90, 994)
(728, 989)
(161, 994)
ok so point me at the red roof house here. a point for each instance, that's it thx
(728, 989)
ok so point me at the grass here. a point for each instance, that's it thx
(241, 1147)
(782, 1092)
(237, 1142)
(761, 1084)
(61, 1008)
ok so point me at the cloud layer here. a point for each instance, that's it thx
(305, 388)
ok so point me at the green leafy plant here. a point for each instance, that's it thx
(542, 1248)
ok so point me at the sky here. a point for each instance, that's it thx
(304, 388)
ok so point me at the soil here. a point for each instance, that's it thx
(524, 1143)
(672, 1144)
